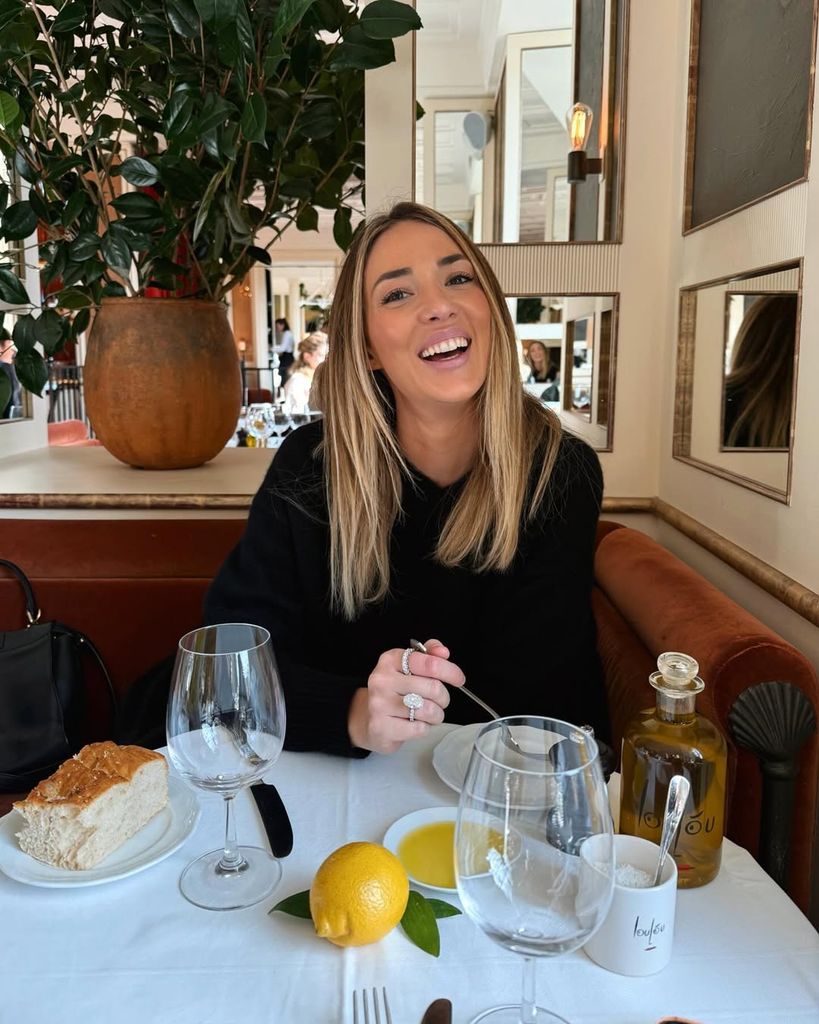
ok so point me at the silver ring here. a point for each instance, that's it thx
(413, 702)
(405, 662)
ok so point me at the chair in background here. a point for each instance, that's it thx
(257, 395)
(69, 432)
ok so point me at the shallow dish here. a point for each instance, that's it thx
(401, 828)
(162, 835)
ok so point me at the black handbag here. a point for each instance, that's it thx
(42, 694)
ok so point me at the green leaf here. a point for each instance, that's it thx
(359, 52)
(138, 205)
(115, 251)
(342, 229)
(441, 909)
(183, 18)
(23, 334)
(297, 905)
(254, 118)
(387, 19)
(38, 205)
(80, 322)
(177, 113)
(31, 371)
(19, 221)
(289, 14)
(207, 200)
(9, 10)
(320, 119)
(307, 219)
(244, 31)
(48, 330)
(215, 111)
(23, 165)
(69, 18)
(12, 290)
(74, 298)
(139, 172)
(215, 13)
(420, 925)
(260, 255)
(9, 111)
(84, 247)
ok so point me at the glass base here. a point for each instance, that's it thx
(511, 1015)
(203, 884)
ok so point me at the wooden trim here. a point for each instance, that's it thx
(137, 502)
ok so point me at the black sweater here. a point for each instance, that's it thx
(525, 638)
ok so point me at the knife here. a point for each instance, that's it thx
(439, 1012)
(274, 818)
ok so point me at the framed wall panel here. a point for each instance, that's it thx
(749, 103)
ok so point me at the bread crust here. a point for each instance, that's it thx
(85, 777)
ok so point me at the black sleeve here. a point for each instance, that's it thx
(540, 613)
(260, 583)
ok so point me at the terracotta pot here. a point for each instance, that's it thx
(162, 383)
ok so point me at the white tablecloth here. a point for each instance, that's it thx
(134, 951)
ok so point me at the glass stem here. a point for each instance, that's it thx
(528, 1002)
(232, 861)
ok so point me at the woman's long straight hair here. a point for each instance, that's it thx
(365, 468)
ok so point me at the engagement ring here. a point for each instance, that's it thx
(413, 702)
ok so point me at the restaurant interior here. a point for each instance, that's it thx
(638, 176)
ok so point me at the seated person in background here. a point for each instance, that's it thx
(538, 359)
(759, 388)
(434, 500)
(15, 391)
(312, 352)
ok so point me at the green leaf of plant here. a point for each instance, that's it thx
(31, 371)
(23, 334)
(358, 52)
(254, 118)
(69, 18)
(184, 18)
(177, 113)
(74, 298)
(387, 19)
(9, 10)
(23, 165)
(83, 247)
(215, 111)
(441, 909)
(320, 119)
(420, 925)
(12, 290)
(48, 330)
(215, 13)
(289, 14)
(207, 200)
(307, 219)
(115, 251)
(297, 905)
(9, 111)
(244, 31)
(139, 172)
(19, 221)
(342, 229)
(260, 255)
(80, 322)
(138, 205)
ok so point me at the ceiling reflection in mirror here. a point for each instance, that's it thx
(495, 81)
(736, 369)
(566, 354)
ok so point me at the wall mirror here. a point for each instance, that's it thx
(736, 377)
(566, 349)
(15, 403)
(495, 81)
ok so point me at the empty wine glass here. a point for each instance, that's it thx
(524, 816)
(225, 727)
(280, 423)
(299, 415)
(258, 423)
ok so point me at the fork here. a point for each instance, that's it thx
(380, 1006)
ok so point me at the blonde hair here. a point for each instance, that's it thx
(761, 377)
(308, 344)
(364, 466)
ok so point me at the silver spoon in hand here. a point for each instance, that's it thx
(678, 790)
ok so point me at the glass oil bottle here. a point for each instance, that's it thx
(672, 739)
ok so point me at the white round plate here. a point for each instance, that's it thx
(429, 816)
(450, 758)
(162, 835)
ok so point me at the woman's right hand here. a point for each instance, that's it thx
(378, 720)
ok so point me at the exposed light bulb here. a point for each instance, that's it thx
(578, 124)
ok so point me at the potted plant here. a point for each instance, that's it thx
(166, 145)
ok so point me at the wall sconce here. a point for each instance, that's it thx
(578, 123)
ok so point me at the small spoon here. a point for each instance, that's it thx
(678, 790)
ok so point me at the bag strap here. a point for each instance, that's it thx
(32, 611)
(91, 647)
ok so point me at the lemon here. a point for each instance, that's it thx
(359, 894)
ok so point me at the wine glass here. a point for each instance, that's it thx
(533, 798)
(259, 424)
(225, 727)
(299, 415)
(280, 423)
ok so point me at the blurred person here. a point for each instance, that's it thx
(284, 347)
(15, 400)
(537, 356)
(312, 352)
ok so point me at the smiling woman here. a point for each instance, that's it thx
(436, 499)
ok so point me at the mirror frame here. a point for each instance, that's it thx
(684, 380)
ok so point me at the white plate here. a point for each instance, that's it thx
(450, 758)
(163, 834)
(429, 816)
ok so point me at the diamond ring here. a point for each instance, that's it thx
(405, 661)
(413, 702)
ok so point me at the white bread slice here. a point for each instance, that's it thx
(92, 804)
